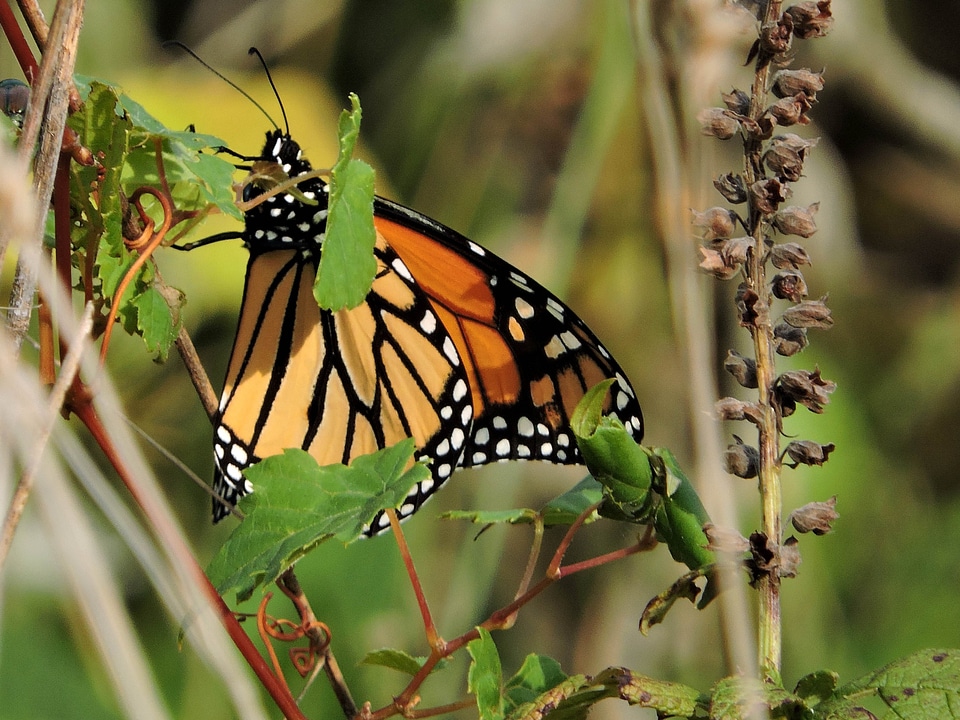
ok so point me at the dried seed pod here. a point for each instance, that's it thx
(761, 128)
(768, 194)
(784, 162)
(791, 110)
(809, 314)
(788, 340)
(788, 83)
(741, 460)
(815, 517)
(775, 38)
(748, 304)
(737, 101)
(789, 285)
(713, 262)
(718, 123)
(736, 250)
(806, 388)
(715, 222)
(789, 558)
(725, 540)
(807, 452)
(811, 19)
(763, 557)
(733, 409)
(732, 188)
(743, 369)
(788, 255)
(794, 220)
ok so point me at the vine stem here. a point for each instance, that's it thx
(770, 630)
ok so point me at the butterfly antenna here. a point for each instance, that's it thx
(254, 51)
(228, 81)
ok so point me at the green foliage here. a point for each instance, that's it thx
(299, 504)
(130, 145)
(921, 686)
(629, 472)
(347, 264)
(485, 677)
(398, 660)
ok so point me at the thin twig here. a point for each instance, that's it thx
(290, 584)
(434, 640)
(49, 102)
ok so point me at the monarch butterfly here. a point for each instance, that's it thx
(452, 346)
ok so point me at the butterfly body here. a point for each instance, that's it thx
(452, 346)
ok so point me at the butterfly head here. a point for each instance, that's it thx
(292, 218)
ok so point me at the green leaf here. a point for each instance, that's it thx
(347, 264)
(158, 318)
(730, 696)
(566, 508)
(398, 660)
(573, 698)
(610, 454)
(297, 505)
(537, 675)
(921, 686)
(680, 518)
(655, 611)
(485, 677)
(518, 516)
(125, 139)
(817, 686)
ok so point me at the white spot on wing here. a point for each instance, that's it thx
(525, 427)
(450, 350)
(401, 269)
(524, 309)
(428, 323)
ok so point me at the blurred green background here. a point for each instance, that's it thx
(520, 123)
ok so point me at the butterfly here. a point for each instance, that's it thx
(452, 346)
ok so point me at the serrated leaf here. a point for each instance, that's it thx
(921, 686)
(817, 685)
(573, 698)
(536, 675)
(297, 505)
(158, 321)
(732, 696)
(347, 264)
(485, 677)
(398, 660)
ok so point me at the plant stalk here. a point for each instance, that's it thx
(770, 639)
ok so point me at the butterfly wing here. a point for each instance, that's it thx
(528, 357)
(452, 346)
(337, 385)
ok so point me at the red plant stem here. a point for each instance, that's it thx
(284, 700)
(61, 219)
(21, 50)
(434, 640)
(504, 616)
